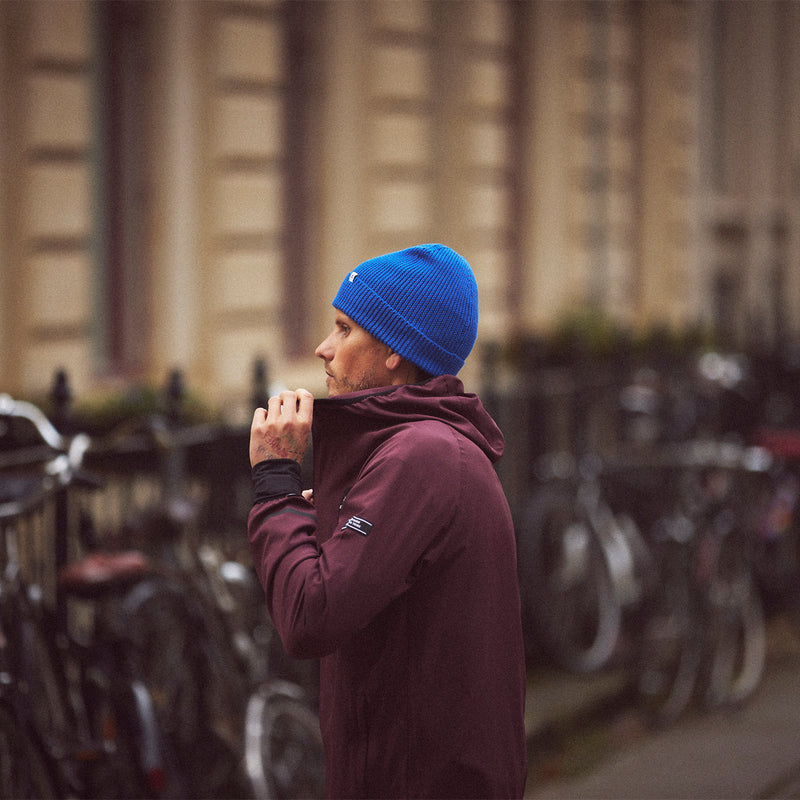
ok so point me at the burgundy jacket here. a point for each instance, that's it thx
(402, 579)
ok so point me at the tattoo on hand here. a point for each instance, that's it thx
(290, 446)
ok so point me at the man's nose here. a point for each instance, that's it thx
(323, 350)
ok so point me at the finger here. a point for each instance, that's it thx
(305, 404)
(274, 406)
(288, 402)
(259, 415)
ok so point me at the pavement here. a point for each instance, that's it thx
(585, 742)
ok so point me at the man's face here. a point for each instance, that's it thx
(354, 359)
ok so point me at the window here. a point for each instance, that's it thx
(121, 185)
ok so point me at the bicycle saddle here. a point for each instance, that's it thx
(102, 572)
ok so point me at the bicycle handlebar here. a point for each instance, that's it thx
(65, 467)
(9, 407)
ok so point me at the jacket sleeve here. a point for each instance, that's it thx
(387, 531)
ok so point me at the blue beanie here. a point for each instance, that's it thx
(422, 302)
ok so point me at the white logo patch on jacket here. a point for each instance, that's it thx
(359, 525)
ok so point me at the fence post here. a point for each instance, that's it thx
(174, 396)
(173, 457)
(260, 396)
(61, 400)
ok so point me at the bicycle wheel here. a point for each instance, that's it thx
(29, 653)
(194, 681)
(43, 682)
(131, 760)
(570, 607)
(25, 773)
(735, 630)
(283, 746)
(669, 647)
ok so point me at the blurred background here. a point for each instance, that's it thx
(184, 184)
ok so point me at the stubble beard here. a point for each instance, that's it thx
(345, 385)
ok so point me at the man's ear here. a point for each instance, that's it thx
(393, 361)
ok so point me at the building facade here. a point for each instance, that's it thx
(184, 184)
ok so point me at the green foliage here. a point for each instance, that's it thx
(592, 335)
(104, 414)
(589, 333)
(101, 413)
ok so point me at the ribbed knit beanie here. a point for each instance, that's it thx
(422, 302)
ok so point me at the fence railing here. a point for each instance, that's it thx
(580, 404)
(575, 403)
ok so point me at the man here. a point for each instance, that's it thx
(400, 573)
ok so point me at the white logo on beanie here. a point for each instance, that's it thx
(351, 276)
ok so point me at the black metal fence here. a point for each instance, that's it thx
(573, 401)
(580, 402)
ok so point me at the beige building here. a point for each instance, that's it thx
(184, 184)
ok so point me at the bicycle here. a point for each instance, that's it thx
(645, 559)
(701, 629)
(83, 703)
(135, 614)
(723, 491)
(576, 564)
(231, 723)
(27, 669)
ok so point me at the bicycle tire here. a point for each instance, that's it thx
(735, 630)
(43, 682)
(30, 655)
(194, 682)
(669, 643)
(570, 606)
(25, 772)
(284, 755)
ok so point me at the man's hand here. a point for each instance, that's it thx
(283, 429)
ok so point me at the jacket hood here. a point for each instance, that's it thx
(373, 413)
